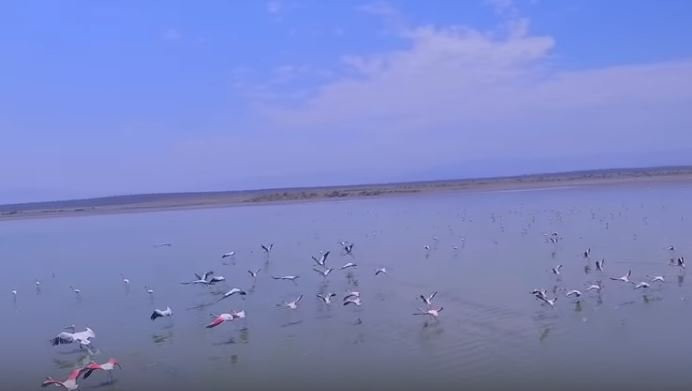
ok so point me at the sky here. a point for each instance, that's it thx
(105, 98)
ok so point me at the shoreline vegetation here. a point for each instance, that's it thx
(168, 201)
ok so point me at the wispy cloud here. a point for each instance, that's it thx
(457, 94)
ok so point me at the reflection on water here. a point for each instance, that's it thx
(482, 251)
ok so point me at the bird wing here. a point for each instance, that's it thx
(63, 338)
(49, 381)
(432, 296)
(74, 375)
(155, 314)
(219, 319)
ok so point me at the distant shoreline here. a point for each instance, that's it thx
(173, 201)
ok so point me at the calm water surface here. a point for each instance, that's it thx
(492, 333)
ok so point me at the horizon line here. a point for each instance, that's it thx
(676, 169)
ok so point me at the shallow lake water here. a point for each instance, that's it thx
(488, 250)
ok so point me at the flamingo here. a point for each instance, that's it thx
(324, 273)
(167, 313)
(352, 300)
(625, 278)
(226, 317)
(69, 384)
(351, 295)
(549, 301)
(434, 313)
(254, 273)
(203, 279)
(327, 299)
(232, 292)
(428, 300)
(81, 337)
(292, 304)
(108, 366)
(322, 259)
(287, 278)
(556, 270)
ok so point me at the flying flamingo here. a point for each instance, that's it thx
(108, 366)
(226, 317)
(69, 384)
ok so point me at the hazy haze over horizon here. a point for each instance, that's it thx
(100, 99)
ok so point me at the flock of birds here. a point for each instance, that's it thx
(323, 265)
(542, 294)
(84, 338)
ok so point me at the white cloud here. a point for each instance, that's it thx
(458, 94)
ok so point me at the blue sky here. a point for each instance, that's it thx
(101, 98)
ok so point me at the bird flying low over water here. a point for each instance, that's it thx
(82, 337)
(324, 273)
(291, 304)
(556, 270)
(168, 312)
(594, 287)
(69, 384)
(348, 266)
(254, 273)
(382, 270)
(233, 292)
(434, 313)
(347, 246)
(322, 260)
(228, 254)
(267, 248)
(287, 278)
(573, 292)
(327, 299)
(225, 318)
(625, 278)
(600, 264)
(641, 285)
(658, 279)
(548, 301)
(428, 299)
(351, 295)
(107, 367)
(355, 300)
(201, 279)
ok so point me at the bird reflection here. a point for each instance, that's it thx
(544, 334)
(162, 338)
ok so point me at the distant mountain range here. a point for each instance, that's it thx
(161, 201)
